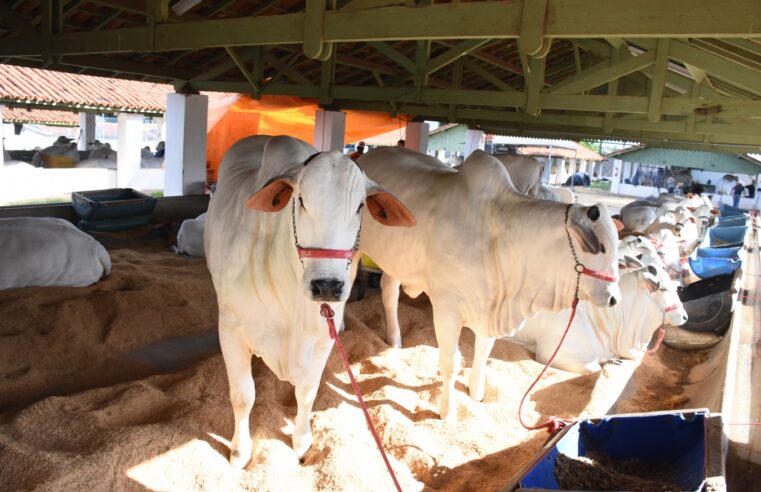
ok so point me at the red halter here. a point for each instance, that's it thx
(673, 307)
(580, 268)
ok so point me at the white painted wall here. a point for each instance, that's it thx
(130, 135)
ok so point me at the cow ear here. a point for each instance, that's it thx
(273, 196)
(650, 283)
(632, 262)
(585, 236)
(387, 209)
(619, 225)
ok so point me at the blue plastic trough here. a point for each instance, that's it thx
(709, 304)
(726, 236)
(115, 209)
(728, 210)
(680, 441)
(718, 252)
(713, 267)
(732, 221)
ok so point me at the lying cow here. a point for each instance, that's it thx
(487, 256)
(47, 252)
(62, 147)
(190, 237)
(525, 172)
(280, 233)
(614, 339)
(99, 150)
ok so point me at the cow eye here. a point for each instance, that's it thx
(602, 249)
(301, 202)
(359, 209)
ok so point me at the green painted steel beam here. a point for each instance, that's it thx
(285, 69)
(470, 20)
(534, 84)
(243, 69)
(488, 76)
(127, 66)
(603, 73)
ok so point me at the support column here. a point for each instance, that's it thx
(582, 165)
(185, 150)
(160, 128)
(329, 130)
(86, 130)
(2, 140)
(474, 140)
(618, 171)
(129, 133)
(562, 173)
(416, 137)
(546, 170)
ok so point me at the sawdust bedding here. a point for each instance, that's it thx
(79, 415)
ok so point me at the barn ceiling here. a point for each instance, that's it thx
(678, 72)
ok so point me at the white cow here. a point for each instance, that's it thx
(271, 201)
(613, 340)
(47, 252)
(99, 150)
(597, 335)
(487, 256)
(190, 237)
(525, 172)
(96, 163)
(62, 147)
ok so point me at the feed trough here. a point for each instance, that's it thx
(732, 221)
(651, 451)
(718, 252)
(115, 209)
(728, 210)
(709, 304)
(727, 236)
(705, 267)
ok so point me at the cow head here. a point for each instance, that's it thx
(595, 241)
(325, 200)
(664, 293)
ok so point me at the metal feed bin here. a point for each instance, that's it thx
(688, 442)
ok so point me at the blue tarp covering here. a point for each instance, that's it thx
(718, 252)
(712, 267)
(722, 236)
(665, 438)
(733, 218)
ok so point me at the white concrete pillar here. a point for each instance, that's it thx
(2, 139)
(562, 173)
(618, 171)
(329, 130)
(627, 171)
(129, 131)
(474, 140)
(185, 150)
(160, 128)
(416, 137)
(546, 170)
(86, 130)
(582, 165)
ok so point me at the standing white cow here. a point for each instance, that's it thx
(525, 172)
(280, 231)
(487, 256)
(190, 237)
(47, 252)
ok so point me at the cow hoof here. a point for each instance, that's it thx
(477, 394)
(240, 458)
(301, 445)
(395, 343)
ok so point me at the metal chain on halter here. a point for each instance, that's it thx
(356, 241)
(355, 248)
(579, 267)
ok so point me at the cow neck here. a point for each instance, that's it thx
(640, 313)
(527, 247)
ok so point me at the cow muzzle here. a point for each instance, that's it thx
(327, 289)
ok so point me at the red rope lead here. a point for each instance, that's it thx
(552, 424)
(327, 313)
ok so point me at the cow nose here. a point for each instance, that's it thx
(326, 289)
(612, 301)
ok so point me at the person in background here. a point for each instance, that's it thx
(400, 143)
(358, 153)
(737, 193)
(670, 184)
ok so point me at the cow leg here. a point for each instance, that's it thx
(242, 394)
(390, 294)
(613, 380)
(481, 351)
(307, 384)
(447, 326)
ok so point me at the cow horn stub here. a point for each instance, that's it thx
(593, 213)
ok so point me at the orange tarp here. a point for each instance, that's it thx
(283, 115)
